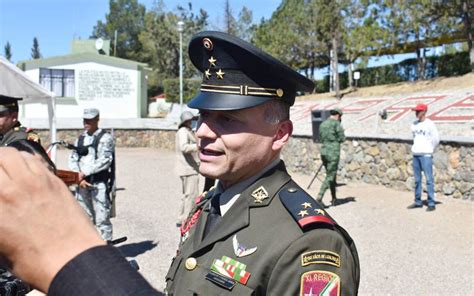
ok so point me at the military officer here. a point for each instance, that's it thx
(332, 136)
(10, 127)
(93, 168)
(257, 232)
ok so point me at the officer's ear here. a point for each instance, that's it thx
(282, 134)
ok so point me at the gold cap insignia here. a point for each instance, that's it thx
(207, 44)
(212, 61)
(279, 92)
(260, 194)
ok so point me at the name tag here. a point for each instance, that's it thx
(220, 280)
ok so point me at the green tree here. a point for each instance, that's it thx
(292, 35)
(35, 51)
(462, 12)
(160, 43)
(8, 51)
(362, 34)
(230, 23)
(127, 17)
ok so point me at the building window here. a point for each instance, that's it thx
(59, 81)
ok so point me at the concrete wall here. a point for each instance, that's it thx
(115, 91)
(388, 162)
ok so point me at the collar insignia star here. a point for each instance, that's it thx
(303, 213)
(208, 74)
(241, 250)
(212, 61)
(259, 194)
(220, 74)
(306, 205)
(320, 212)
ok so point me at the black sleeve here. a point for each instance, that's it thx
(99, 271)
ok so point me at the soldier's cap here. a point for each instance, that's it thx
(238, 75)
(186, 116)
(8, 103)
(335, 111)
(90, 113)
(420, 107)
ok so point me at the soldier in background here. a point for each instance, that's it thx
(93, 160)
(331, 135)
(187, 165)
(10, 128)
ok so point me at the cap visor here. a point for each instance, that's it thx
(220, 101)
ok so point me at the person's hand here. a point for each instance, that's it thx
(81, 176)
(42, 227)
(84, 184)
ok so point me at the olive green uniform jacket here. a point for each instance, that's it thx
(298, 245)
(18, 132)
(331, 135)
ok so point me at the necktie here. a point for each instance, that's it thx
(214, 216)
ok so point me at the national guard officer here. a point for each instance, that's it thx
(10, 128)
(93, 160)
(332, 136)
(257, 232)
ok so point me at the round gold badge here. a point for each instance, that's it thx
(190, 263)
(207, 44)
(279, 92)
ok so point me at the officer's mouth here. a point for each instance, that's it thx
(205, 154)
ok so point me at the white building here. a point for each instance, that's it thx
(89, 77)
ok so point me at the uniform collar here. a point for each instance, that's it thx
(229, 196)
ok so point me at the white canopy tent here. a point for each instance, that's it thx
(15, 83)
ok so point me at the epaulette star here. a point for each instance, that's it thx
(208, 74)
(306, 205)
(320, 212)
(303, 213)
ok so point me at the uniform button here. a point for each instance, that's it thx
(292, 190)
(190, 263)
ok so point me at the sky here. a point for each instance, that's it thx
(57, 22)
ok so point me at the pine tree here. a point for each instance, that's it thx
(35, 51)
(8, 51)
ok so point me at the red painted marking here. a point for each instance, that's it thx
(404, 106)
(466, 103)
(308, 220)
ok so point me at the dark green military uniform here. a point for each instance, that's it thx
(16, 132)
(298, 246)
(331, 135)
(274, 239)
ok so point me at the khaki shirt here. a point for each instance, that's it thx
(186, 152)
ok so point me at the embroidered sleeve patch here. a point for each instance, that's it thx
(319, 282)
(321, 257)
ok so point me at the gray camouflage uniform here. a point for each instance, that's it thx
(95, 199)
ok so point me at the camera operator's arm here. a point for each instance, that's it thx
(48, 240)
(41, 225)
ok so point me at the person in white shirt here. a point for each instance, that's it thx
(425, 140)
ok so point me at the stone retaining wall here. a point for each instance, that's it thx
(389, 163)
(385, 162)
(123, 137)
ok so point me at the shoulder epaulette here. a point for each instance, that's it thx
(303, 208)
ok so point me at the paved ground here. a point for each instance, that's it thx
(402, 252)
